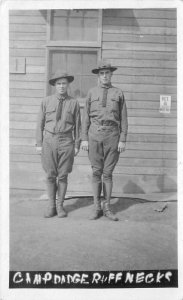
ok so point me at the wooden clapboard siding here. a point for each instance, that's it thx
(27, 12)
(141, 13)
(131, 120)
(129, 95)
(143, 63)
(28, 40)
(131, 103)
(152, 129)
(23, 36)
(24, 101)
(142, 30)
(128, 183)
(139, 22)
(27, 28)
(148, 113)
(160, 39)
(143, 137)
(138, 55)
(132, 129)
(35, 69)
(131, 153)
(136, 112)
(16, 92)
(33, 85)
(27, 52)
(139, 46)
(142, 44)
(83, 160)
(23, 117)
(27, 19)
(29, 77)
(150, 88)
(35, 167)
(145, 71)
(146, 146)
(145, 80)
(27, 44)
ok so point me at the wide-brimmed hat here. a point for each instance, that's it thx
(60, 74)
(102, 65)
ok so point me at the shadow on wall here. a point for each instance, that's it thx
(160, 184)
(44, 14)
(166, 183)
(132, 188)
(120, 17)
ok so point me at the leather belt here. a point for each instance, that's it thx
(62, 134)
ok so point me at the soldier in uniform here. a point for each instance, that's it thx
(104, 133)
(58, 138)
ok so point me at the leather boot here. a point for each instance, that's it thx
(62, 188)
(107, 190)
(51, 190)
(97, 211)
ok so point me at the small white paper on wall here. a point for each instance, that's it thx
(165, 104)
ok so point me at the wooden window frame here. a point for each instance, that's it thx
(61, 43)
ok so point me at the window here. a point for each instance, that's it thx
(74, 45)
(74, 25)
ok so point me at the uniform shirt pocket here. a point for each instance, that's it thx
(50, 114)
(69, 117)
(115, 104)
(94, 104)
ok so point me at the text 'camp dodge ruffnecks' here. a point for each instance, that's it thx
(119, 279)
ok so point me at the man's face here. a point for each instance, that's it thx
(61, 86)
(105, 76)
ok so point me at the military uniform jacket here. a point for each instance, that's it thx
(114, 112)
(70, 121)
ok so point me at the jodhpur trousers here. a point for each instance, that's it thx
(103, 151)
(57, 156)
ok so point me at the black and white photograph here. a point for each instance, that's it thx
(93, 183)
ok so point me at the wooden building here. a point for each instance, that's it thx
(142, 44)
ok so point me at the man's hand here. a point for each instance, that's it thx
(38, 150)
(76, 151)
(84, 145)
(121, 146)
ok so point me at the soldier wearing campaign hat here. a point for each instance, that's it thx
(58, 121)
(104, 133)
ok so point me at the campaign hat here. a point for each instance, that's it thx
(102, 65)
(60, 74)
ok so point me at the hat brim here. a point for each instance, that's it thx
(53, 80)
(96, 71)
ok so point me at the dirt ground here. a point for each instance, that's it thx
(142, 239)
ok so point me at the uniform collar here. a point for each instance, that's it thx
(61, 97)
(104, 86)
